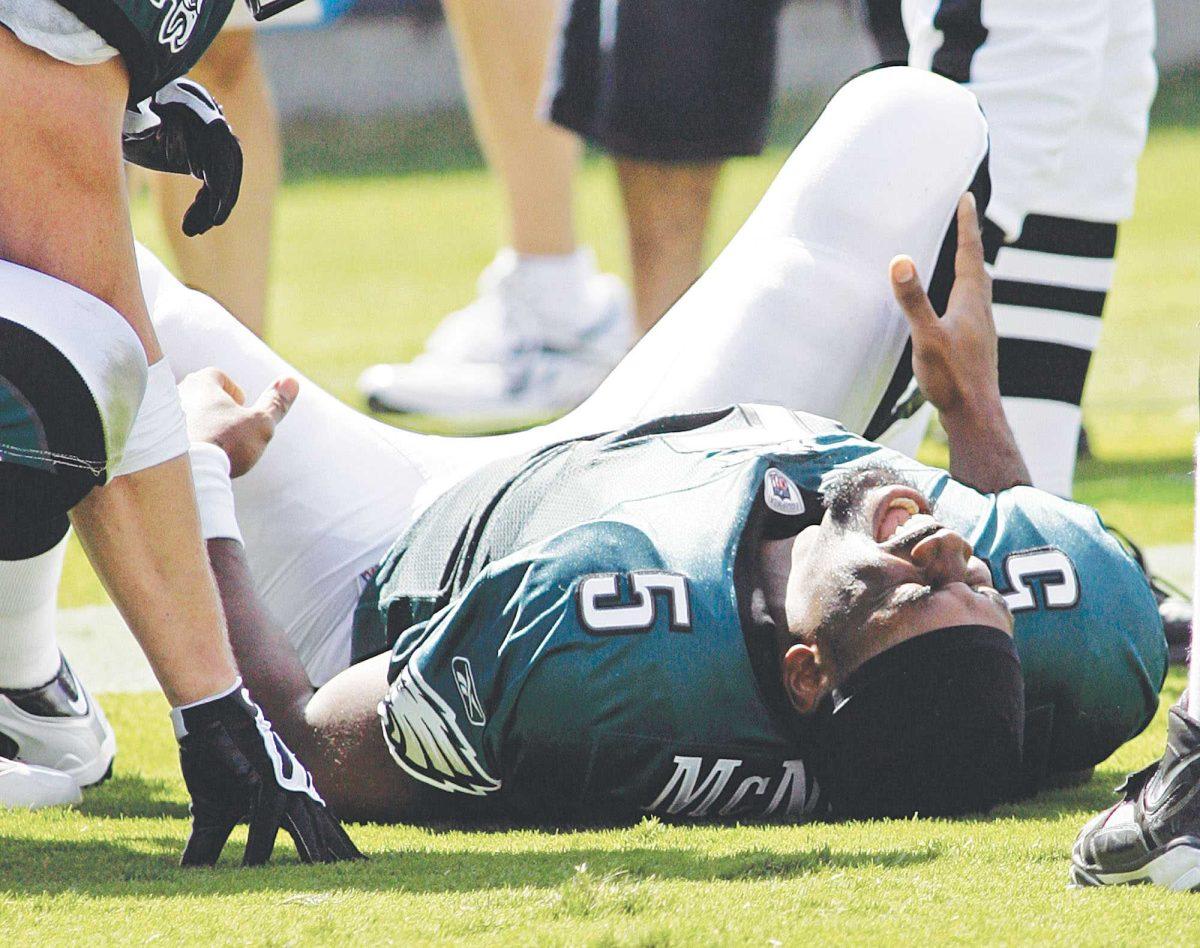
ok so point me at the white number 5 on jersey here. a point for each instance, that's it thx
(1048, 568)
(602, 611)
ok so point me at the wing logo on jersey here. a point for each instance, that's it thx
(179, 22)
(424, 738)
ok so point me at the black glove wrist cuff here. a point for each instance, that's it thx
(232, 704)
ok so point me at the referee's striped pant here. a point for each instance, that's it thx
(1066, 86)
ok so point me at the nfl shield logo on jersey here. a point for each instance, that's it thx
(781, 493)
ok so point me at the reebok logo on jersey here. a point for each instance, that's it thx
(781, 493)
(465, 680)
(178, 23)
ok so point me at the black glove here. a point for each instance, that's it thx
(236, 768)
(181, 129)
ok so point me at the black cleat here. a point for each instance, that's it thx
(1153, 834)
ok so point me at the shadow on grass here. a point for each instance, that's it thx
(127, 869)
(136, 797)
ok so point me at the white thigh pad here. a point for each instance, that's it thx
(64, 346)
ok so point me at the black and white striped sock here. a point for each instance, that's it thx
(1048, 292)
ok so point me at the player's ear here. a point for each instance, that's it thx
(803, 678)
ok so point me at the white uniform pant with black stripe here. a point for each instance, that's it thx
(797, 311)
(1066, 88)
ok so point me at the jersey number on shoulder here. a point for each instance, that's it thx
(1048, 568)
(624, 603)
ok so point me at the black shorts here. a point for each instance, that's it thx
(157, 45)
(667, 80)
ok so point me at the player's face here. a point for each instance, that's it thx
(881, 569)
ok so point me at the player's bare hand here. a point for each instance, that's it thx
(955, 358)
(217, 413)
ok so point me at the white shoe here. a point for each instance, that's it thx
(530, 345)
(29, 787)
(58, 726)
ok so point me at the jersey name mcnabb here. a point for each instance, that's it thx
(731, 788)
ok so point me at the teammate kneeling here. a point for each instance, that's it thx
(90, 419)
(665, 604)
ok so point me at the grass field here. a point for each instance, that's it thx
(104, 874)
(368, 257)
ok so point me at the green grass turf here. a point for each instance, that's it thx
(105, 873)
(370, 255)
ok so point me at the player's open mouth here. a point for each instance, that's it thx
(902, 517)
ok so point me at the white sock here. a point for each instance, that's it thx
(28, 604)
(557, 285)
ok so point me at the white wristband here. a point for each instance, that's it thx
(214, 492)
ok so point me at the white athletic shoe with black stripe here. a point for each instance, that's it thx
(57, 726)
(1153, 834)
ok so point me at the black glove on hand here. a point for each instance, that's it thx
(181, 129)
(236, 768)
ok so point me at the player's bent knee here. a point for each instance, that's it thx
(72, 377)
(888, 158)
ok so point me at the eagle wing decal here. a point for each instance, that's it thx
(424, 738)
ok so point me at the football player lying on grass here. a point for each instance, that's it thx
(664, 604)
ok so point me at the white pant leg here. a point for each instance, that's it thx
(798, 309)
(1036, 68)
(328, 497)
(1067, 90)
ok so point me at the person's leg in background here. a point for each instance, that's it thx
(546, 326)
(666, 212)
(1067, 94)
(671, 90)
(231, 263)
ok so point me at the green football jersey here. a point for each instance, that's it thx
(577, 629)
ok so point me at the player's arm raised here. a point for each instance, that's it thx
(955, 362)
